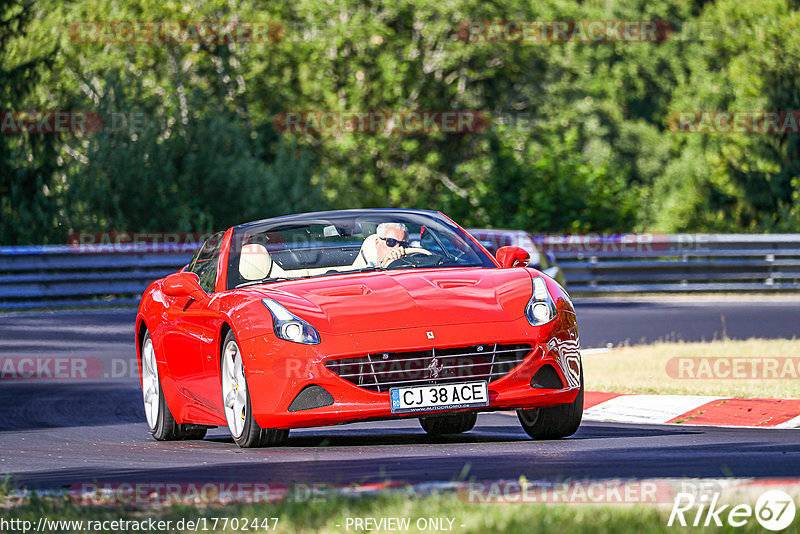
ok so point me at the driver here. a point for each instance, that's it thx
(392, 242)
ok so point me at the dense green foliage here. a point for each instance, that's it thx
(595, 151)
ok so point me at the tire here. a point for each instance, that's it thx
(457, 423)
(160, 422)
(553, 422)
(236, 402)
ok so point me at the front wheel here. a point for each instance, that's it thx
(457, 423)
(553, 422)
(236, 402)
(160, 422)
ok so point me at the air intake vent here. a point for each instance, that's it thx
(311, 397)
(546, 378)
(385, 370)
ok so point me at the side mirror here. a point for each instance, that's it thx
(512, 257)
(183, 283)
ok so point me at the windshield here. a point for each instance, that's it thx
(332, 243)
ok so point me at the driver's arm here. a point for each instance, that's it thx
(394, 254)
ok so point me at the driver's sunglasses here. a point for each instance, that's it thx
(392, 242)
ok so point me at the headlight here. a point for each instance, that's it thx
(541, 309)
(290, 327)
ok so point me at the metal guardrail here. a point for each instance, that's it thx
(632, 263)
(60, 276)
(75, 276)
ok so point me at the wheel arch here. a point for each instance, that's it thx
(224, 328)
(141, 329)
(140, 332)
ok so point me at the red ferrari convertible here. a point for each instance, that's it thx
(344, 316)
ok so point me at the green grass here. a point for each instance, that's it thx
(330, 515)
(6, 486)
(644, 369)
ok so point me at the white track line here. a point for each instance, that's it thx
(791, 423)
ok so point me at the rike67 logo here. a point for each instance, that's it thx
(774, 510)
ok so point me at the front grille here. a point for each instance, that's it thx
(384, 370)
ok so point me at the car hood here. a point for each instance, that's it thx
(386, 300)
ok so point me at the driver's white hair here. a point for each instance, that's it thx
(381, 230)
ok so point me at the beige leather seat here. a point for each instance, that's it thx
(255, 263)
(368, 255)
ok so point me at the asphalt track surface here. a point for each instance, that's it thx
(56, 433)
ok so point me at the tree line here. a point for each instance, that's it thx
(571, 134)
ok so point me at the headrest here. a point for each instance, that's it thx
(255, 262)
(369, 250)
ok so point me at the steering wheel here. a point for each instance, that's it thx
(415, 257)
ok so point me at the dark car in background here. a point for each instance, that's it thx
(545, 262)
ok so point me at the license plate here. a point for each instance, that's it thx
(439, 397)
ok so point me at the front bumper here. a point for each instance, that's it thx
(277, 371)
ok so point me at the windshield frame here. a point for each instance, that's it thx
(343, 218)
